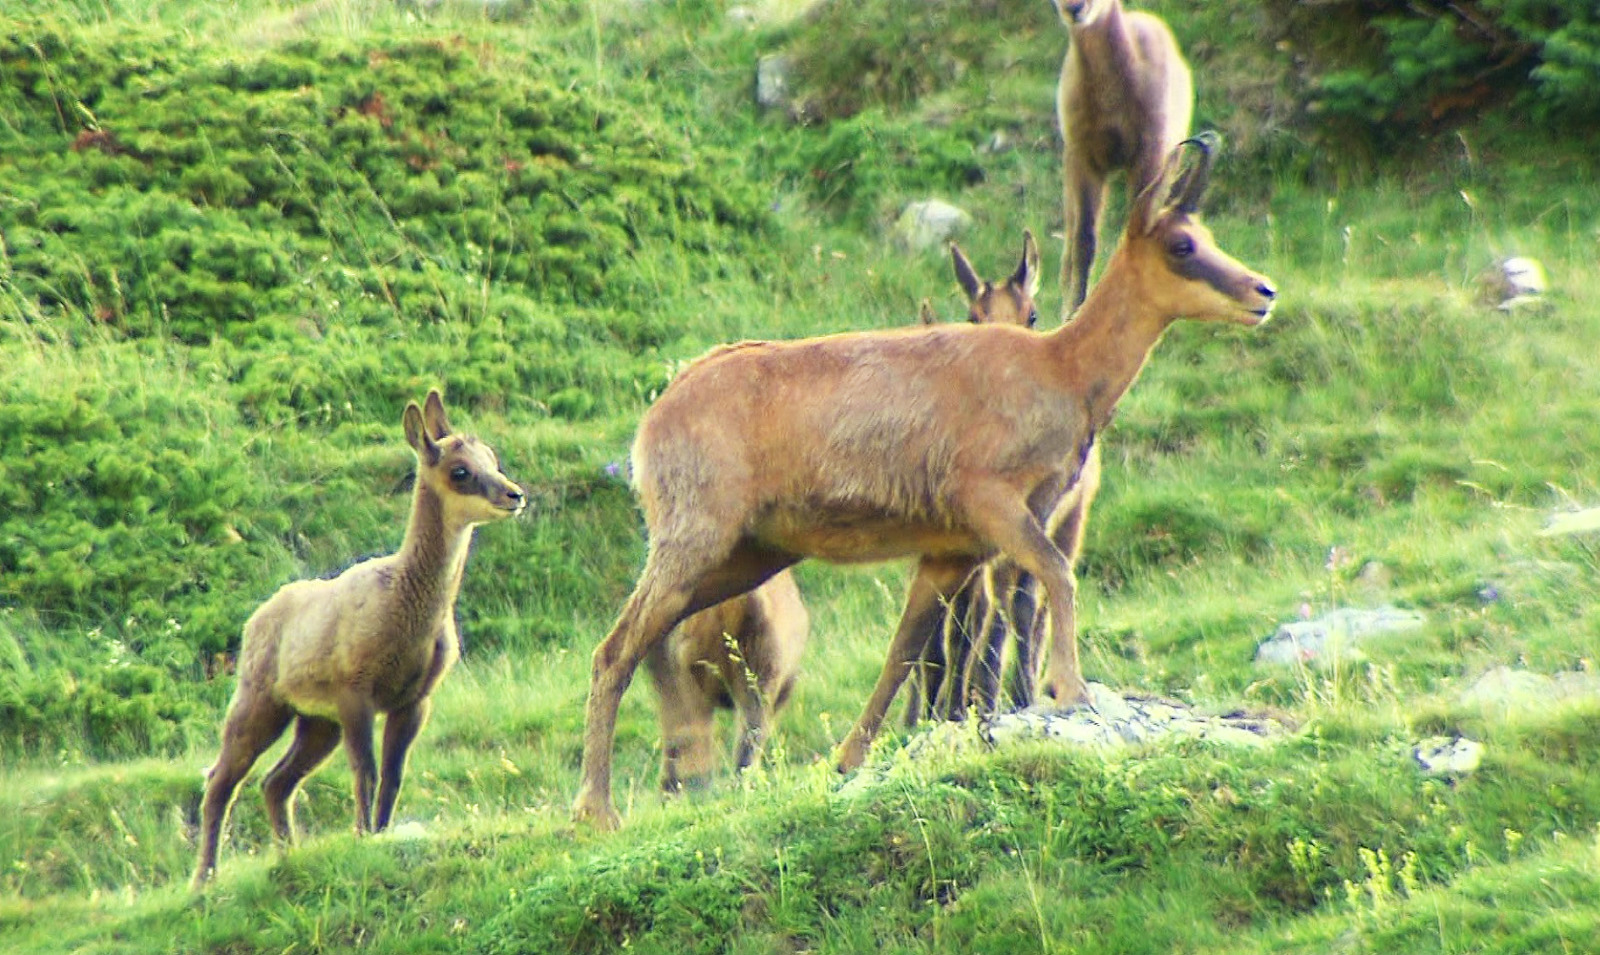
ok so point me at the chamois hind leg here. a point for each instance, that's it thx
(1028, 623)
(686, 717)
(254, 723)
(676, 582)
(926, 677)
(937, 579)
(356, 718)
(980, 679)
(951, 643)
(314, 739)
(400, 729)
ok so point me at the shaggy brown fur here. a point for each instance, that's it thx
(329, 655)
(1125, 100)
(942, 442)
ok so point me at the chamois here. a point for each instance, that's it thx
(330, 654)
(1010, 302)
(1125, 100)
(743, 653)
(940, 442)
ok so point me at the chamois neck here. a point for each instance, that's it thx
(1104, 44)
(1104, 346)
(434, 554)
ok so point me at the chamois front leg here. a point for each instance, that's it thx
(1084, 196)
(400, 729)
(1009, 524)
(936, 580)
(356, 718)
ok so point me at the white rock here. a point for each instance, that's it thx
(1334, 634)
(773, 73)
(1448, 755)
(929, 224)
(1572, 522)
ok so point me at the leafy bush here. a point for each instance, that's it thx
(1386, 69)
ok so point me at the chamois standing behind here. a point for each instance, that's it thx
(945, 442)
(1125, 99)
(1009, 302)
(331, 654)
(744, 653)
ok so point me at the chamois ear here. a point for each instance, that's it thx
(966, 277)
(1027, 276)
(417, 435)
(433, 414)
(925, 313)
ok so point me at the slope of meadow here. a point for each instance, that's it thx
(236, 238)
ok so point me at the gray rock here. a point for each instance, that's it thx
(1508, 687)
(1334, 634)
(773, 79)
(1513, 282)
(1448, 755)
(929, 224)
(1572, 522)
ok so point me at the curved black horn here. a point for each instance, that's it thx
(1186, 192)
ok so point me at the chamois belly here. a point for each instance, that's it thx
(844, 539)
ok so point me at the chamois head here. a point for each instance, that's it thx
(1082, 12)
(1165, 233)
(1010, 302)
(461, 470)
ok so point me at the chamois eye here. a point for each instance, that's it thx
(459, 473)
(1033, 317)
(1181, 247)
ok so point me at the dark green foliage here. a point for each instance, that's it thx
(1385, 70)
(245, 197)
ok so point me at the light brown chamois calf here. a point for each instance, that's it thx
(1010, 302)
(329, 655)
(744, 653)
(942, 442)
(1125, 100)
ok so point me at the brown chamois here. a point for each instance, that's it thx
(1125, 100)
(331, 654)
(940, 442)
(1010, 302)
(744, 653)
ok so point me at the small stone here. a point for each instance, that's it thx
(1448, 755)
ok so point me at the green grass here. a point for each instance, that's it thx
(175, 445)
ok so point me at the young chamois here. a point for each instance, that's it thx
(744, 653)
(971, 611)
(329, 655)
(942, 442)
(1124, 101)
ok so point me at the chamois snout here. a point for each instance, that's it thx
(1076, 11)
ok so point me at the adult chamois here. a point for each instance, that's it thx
(329, 655)
(940, 442)
(1125, 99)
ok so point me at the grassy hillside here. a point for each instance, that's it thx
(236, 238)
